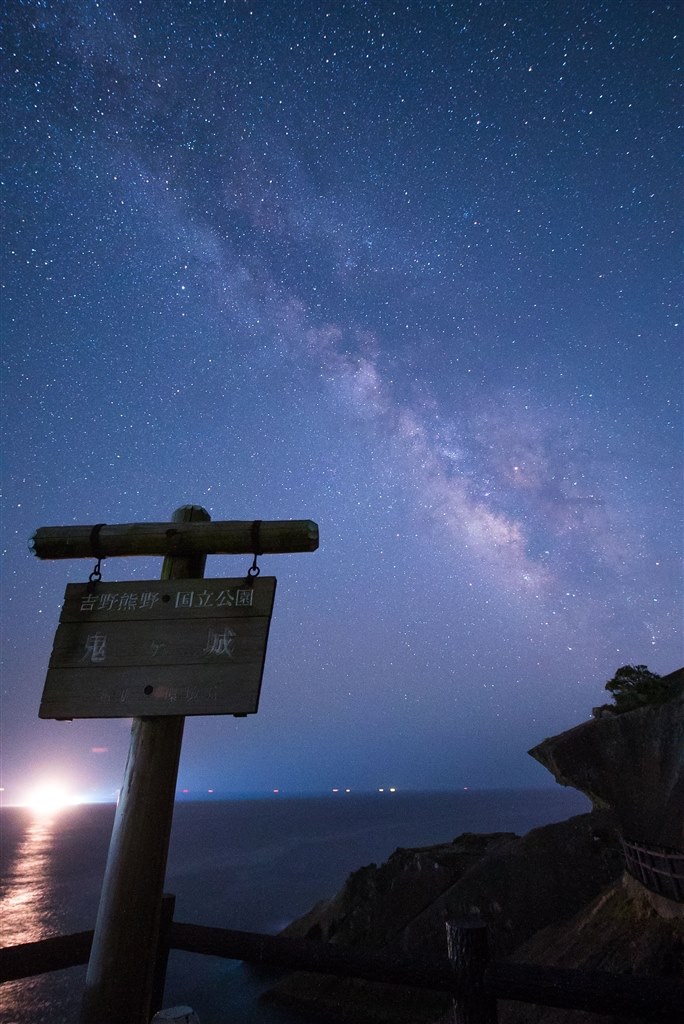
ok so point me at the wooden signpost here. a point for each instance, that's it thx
(123, 649)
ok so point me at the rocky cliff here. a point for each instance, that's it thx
(377, 904)
(632, 763)
(620, 931)
(556, 896)
(518, 885)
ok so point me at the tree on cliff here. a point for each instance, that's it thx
(635, 686)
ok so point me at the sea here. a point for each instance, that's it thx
(252, 864)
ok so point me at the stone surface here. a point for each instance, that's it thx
(632, 763)
(376, 904)
(516, 884)
(619, 932)
(541, 878)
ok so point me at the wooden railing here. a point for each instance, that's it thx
(658, 869)
(474, 981)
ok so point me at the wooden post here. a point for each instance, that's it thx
(468, 950)
(120, 976)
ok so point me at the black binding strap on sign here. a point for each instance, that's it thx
(96, 574)
(254, 569)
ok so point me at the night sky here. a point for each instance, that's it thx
(407, 269)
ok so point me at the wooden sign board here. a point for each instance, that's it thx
(159, 647)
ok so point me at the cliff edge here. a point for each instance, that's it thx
(632, 763)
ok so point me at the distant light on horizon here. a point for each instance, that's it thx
(51, 798)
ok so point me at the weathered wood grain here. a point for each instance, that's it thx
(122, 693)
(225, 537)
(200, 652)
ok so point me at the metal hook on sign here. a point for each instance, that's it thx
(254, 569)
(96, 574)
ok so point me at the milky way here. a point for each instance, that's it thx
(410, 270)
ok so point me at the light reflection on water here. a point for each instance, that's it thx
(51, 872)
(26, 908)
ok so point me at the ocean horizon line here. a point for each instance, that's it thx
(226, 796)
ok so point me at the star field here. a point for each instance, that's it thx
(408, 269)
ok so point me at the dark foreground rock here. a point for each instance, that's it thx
(619, 932)
(377, 904)
(554, 897)
(542, 877)
(518, 885)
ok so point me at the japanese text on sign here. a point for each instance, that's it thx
(159, 647)
(124, 602)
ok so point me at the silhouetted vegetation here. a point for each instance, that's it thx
(635, 686)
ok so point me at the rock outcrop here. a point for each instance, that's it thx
(377, 904)
(556, 896)
(632, 763)
(518, 885)
(538, 879)
(619, 932)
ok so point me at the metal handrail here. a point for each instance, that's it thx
(657, 868)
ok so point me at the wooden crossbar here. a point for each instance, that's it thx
(653, 999)
(188, 539)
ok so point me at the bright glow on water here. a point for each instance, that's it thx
(27, 895)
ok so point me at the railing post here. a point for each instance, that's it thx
(468, 950)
